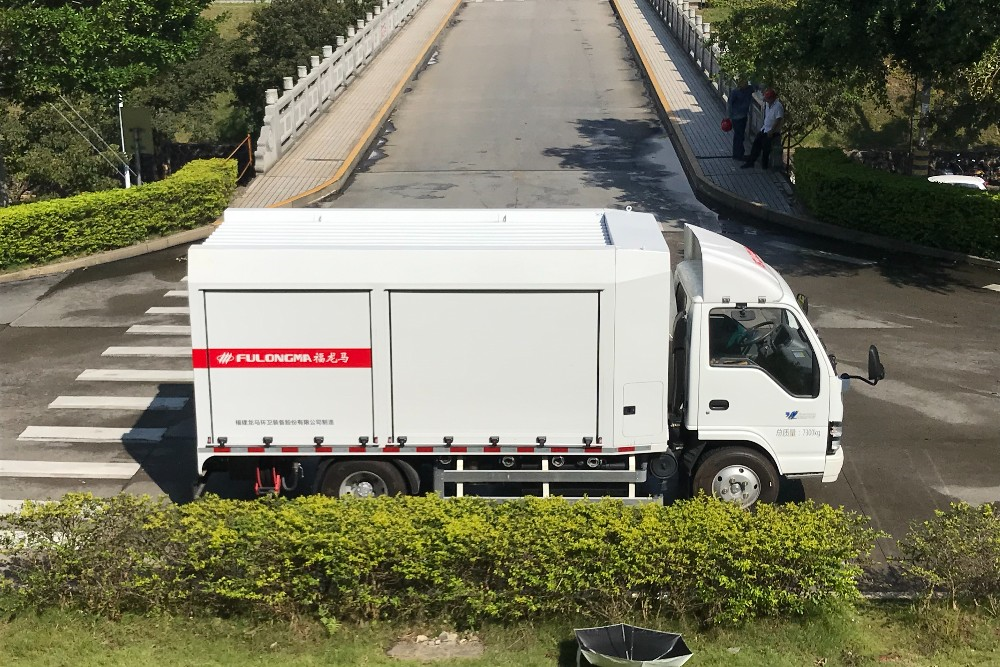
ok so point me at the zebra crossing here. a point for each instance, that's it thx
(101, 434)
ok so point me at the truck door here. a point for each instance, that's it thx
(513, 366)
(290, 366)
(761, 382)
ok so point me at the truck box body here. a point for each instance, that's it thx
(320, 329)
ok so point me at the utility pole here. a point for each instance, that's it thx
(121, 129)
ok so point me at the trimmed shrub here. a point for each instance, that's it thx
(460, 560)
(842, 192)
(48, 230)
(957, 552)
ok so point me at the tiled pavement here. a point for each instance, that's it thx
(697, 112)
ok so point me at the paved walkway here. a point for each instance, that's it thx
(697, 112)
(317, 163)
(323, 159)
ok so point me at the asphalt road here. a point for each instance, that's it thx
(532, 104)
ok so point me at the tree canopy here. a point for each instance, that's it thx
(93, 46)
(827, 55)
(857, 39)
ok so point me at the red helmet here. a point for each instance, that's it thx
(727, 125)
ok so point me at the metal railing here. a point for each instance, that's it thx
(287, 116)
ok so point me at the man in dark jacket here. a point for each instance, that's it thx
(738, 109)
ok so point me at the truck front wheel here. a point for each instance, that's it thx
(738, 475)
(362, 479)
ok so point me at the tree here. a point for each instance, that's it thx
(93, 46)
(46, 157)
(971, 102)
(189, 99)
(840, 51)
(763, 40)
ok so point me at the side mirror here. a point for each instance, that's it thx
(876, 371)
(803, 302)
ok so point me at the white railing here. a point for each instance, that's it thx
(695, 37)
(287, 116)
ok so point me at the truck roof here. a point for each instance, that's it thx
(438, 228)
(718, 270)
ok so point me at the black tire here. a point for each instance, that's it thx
(744, 464)
(383, 478)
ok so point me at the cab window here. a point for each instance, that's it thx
(768, 340)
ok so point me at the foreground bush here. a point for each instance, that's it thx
(463, 560)
(47, 230)
(957, 552)
(842, 192)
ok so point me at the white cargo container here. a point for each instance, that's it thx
(411, 350)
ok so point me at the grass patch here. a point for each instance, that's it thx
(233, 13)
(875, 634)
(710, 14)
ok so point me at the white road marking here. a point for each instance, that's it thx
(184, 279)
(68, 469)
(180, 352)
(824, 317)
(91, 434)
(168, 310)
(974, 495)
(120, 402)
(822, 254)
(131, 375)
(177, 292)
(160, 329)
(995, 288)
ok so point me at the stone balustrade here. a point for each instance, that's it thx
(288, 114)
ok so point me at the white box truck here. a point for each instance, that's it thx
(502, 353)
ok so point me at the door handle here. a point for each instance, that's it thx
(718, 404)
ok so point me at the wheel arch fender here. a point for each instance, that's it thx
(410, 474)
(743, 439)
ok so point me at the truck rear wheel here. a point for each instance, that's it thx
(738, 475)
(361, 479)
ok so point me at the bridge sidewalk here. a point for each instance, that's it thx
(322, 159)
(696, 112)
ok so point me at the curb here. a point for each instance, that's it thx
(707, 190)
(152, 245)
(331, 186)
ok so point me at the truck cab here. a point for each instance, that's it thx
(754, 396)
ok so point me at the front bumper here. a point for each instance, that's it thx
(833, 465)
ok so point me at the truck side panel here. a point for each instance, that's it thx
(291, 366)
(507, 365)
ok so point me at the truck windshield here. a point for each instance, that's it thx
(770, 340)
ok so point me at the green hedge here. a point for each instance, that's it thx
(49, 230)
(957, 552)
(462, 560)
(840, 191)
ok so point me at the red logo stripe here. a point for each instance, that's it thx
(282, 358)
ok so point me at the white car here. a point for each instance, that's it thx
(972, 182)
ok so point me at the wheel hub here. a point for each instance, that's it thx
(363, 485)
(737, 484)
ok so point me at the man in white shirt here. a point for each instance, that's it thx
(774, 116)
